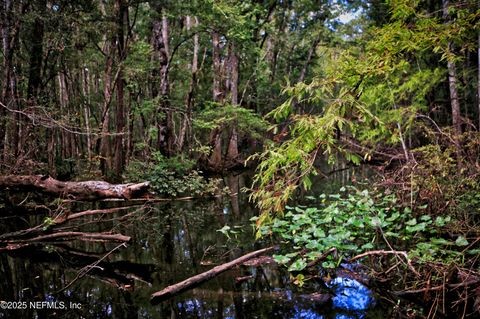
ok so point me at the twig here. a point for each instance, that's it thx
(388, 252)
(66, 236)
(452, 286)
(82, 272)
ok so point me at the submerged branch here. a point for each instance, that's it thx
(64, 236)
(388, 252)
(191, 282)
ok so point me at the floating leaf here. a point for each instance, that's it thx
(298, 265)
(281, 259)
(461, 241)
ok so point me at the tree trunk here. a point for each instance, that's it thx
(232, 151)
(217, 90)
(303, 72)
(478, 83)
(131, 121)
(165, 126)
(308, 61)
(88, 190)
(104, 144)
(119, 156)
(455, 102)
(63, 102)
(454, 98)
(183, 138)
(36, 52)
(86, 109)
(8, 83)
(215, 159)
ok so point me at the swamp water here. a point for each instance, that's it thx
(171, 241)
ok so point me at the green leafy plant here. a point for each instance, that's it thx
(47, 222)
(172, 176)
(354, 222)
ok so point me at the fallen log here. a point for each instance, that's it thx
(12, 244)
(87, 190)
(191, 282)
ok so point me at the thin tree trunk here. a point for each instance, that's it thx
(119, 156)
(183, 138)
(454, 98)
(304, 70)
(131, 119)
(8, 82)
(165, 137)
(104, 145)
(36, 53)
(478, 83)
(86, 109)
(215, 159)
(63, 102)
(308, 61)
(217, 90)
(232, 152)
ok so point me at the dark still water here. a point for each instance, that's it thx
(171, 241)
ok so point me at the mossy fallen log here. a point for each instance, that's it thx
(87, 190)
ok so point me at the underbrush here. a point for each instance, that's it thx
(408, 252)
(172, 177)
(358, 221)
(416, 230)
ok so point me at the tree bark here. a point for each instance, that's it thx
(9, 126)
(478, 82)
(36, 52)
(104, 144)
(303, 72)
(183, 137)
(217, 90)
(232, 151)
(215, 159)
(86, 108)
(88, 190)
(452, 85)
(119, 156)
(165, 139)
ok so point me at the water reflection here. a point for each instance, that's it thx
(170, 242)
(351, 295)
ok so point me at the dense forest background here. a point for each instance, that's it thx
(90, 85)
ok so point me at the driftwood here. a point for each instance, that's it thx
(191, 282)
(88, 190)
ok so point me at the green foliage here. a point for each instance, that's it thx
(172, 176)
(370, 93)
(227, 116)
(231, 232)
(436, 179)
(284, 167)
(138, 64)
(47, 222)
(354, 222)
